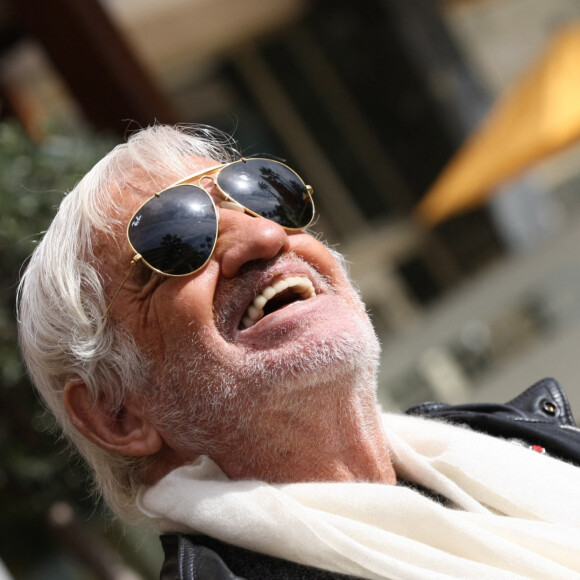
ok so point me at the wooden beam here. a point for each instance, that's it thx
(103, 74)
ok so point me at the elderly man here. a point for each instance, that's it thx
(213, 364)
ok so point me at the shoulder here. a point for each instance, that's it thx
(540, 417)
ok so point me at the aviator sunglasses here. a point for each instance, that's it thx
(175, 231)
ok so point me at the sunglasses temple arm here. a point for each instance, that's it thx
(309, 197)
(133, 264)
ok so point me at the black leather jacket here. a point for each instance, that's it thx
(540, 417)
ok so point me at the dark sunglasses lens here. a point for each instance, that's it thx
(175, 232)
(270, 190)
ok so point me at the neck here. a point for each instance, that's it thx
(324, 434)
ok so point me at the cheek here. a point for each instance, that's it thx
(186, 308)
(184, 314)
(314, 252)
(317, 254)
(191, 295)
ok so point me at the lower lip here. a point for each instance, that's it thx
(288, 317)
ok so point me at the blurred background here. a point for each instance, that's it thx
(443, 142)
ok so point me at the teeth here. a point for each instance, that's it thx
(267, 293)
(280, 285)
(260, 302)
(301, 285)
(255, 313)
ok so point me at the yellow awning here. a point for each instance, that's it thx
(538, 116)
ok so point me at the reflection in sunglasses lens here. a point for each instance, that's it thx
(176, 232)
(270, 190)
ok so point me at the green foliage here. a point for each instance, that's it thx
(35, 467)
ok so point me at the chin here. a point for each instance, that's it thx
(216, 393)
(346, 349)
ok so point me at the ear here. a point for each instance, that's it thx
(127, 431)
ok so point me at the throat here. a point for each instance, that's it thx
(322, 441)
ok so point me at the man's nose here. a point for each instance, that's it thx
(243, 238)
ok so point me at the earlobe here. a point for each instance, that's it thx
(127, 431)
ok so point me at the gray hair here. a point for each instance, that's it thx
(63, 335)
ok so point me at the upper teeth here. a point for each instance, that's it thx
(300, 284)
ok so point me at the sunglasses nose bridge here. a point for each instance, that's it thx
(204, 178)
(215, 191)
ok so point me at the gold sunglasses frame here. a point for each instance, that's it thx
(205, 174)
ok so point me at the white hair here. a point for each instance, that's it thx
(63, 334)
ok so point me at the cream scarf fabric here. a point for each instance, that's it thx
(381, 531)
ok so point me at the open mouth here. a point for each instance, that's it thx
(277, 295)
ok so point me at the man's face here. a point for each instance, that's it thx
(230, 343)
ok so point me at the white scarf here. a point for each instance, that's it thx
(516, 514)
